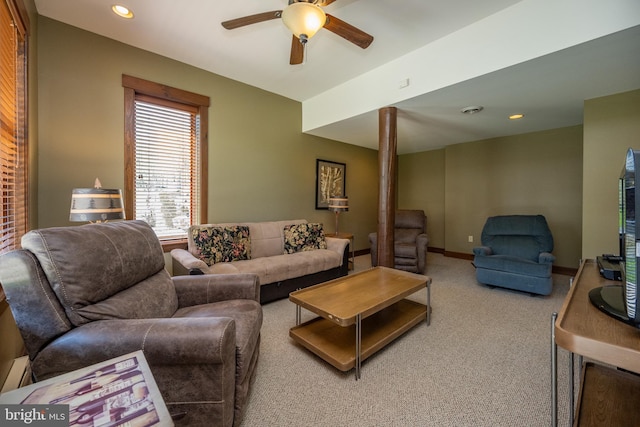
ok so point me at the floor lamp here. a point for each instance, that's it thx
(337, 205)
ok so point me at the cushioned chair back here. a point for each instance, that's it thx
(104, 271)
(523, 236)
(408, 225)
(35, 307)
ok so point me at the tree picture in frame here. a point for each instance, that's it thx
(330, 181)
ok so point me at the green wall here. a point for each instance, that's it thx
(534, 173)
(421, 186)
(570, 175)
(261, 167)
(611, 127)
(461, 185)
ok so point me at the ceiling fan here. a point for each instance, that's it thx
(304, 18)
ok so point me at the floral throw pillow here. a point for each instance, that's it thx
(303, 237)
(222, 244)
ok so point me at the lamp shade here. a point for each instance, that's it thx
(304, 19)
(339, 204)
(96, 205)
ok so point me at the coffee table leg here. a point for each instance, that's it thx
(358, 344)
(298, 315)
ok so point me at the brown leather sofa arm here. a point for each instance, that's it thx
(204, 289)
(166, 341)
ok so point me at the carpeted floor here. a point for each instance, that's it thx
(483, 361)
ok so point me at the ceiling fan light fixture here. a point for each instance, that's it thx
(304, 19)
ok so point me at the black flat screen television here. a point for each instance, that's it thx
(623, 301)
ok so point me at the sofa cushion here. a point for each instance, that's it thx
(405, 251)
(512, 265)
(266, 237)
(216, 244)
(277, 268)
(526, 247)
(406, 235)
(303, 237)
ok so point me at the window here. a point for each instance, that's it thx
(14, 26)
(165, 157)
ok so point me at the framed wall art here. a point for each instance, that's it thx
(330, 181)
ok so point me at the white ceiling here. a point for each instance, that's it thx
(549, 89)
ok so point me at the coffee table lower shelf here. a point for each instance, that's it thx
(337, 345)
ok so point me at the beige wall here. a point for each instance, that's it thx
(261, 167)
(611, 127)
(461, 185)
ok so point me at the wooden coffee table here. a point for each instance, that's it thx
(359, 314)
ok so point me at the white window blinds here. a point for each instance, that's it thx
(13, 144)
(166, 193)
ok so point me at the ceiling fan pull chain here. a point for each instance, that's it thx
(304, 53)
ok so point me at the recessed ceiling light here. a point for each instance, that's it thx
(122, 11)
(516, 116)
(472, 109)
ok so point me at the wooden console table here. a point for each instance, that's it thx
(583, 329)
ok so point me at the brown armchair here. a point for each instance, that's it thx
(410, 242)
(85, 294)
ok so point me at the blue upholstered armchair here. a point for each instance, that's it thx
(516, 253)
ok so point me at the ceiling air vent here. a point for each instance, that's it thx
(472, 109)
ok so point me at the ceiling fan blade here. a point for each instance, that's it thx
(348, 32)
(325, 2)
(251, 19)
(297, 51)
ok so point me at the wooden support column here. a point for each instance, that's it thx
(387, 147)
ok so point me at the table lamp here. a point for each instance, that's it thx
(337, 205)
(96, 204)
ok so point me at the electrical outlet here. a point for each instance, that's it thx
(470, 239)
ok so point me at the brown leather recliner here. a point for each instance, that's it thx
(81, 295)
(410, 242)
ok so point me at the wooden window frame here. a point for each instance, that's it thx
(136, 86)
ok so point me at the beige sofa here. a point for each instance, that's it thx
(265, 244)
